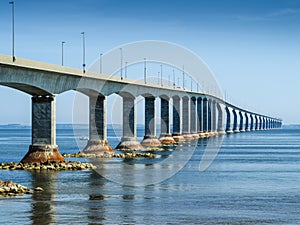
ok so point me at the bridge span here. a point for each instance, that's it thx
(195, 114)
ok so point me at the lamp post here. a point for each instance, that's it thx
(121, 54)
(62, 53)
(145, 71)
(191, 83)
(174, 83)
(100, 63)
(158, 75)
(83, 51)
(13, 29)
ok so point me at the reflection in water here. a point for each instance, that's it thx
(97, 210)
(43, 209)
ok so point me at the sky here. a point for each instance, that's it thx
(252, 47)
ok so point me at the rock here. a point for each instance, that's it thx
(38, 189)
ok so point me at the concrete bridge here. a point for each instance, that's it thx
(195, 114)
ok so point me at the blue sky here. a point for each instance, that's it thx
(251, 46)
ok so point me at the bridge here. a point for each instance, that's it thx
(195, 114)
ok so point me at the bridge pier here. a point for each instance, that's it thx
(150, 138)
(256, 122)
(165, 136)
(247, 125)
(209, 118)
(228, 121)
(193, 118)
(214, 118)
(235, 122)
(97, 142)
(129, 140)
(241, 129)
(200, 118)
(186, 119)
(43, 147)
(176, 120)
(220, 128)
(251, 122)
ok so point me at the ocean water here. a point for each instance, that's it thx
(255, 179)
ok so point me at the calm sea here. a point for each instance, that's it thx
(255, 179)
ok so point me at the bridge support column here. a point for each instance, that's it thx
(209, 118)
(235, 122)
(43, 147)
(241, 122)
(200, 117)
(98, 143)
(251, 122)
(228, 121)
(186, 119)
(214, 117)
(150, 138)
(129, 140)
(247, 125)
(220, 120)
(256, 123)
(177, 120)
(193, 118)
(205, 117)
(165, 136)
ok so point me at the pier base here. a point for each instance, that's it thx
(97, 147)
(201, 135)
(129, 143)
(151, 141)
(188, 136)
(178, 137)
(42, 154)
(166, 139)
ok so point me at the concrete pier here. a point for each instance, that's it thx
(97, 143)
(177, 119)
(150, 139)
(241, 127)
(252, 128)
(43, 147)
(186, 119)
(214, 117)
(193, 118)
(228, 129)
(220, 128)
(235, 122)
(129, 140)
(200, 117)
(165, 135)
(209, 117)
(247, 124)
(256, 123)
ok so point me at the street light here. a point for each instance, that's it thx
(145, 71)
(83, 51)
(13, 29)
(174, 82)
(121, 52)
(100, 63)
(62, 53)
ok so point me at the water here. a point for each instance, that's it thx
(255, 179)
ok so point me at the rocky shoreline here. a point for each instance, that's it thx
(126, 155)
(10, 189)
(72, 165)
